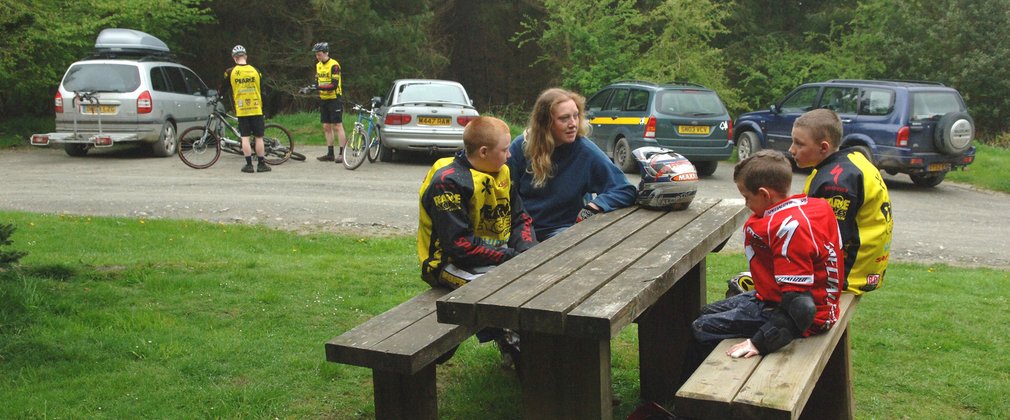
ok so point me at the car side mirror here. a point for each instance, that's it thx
(376, 100)
(211, 93)
(774, 109)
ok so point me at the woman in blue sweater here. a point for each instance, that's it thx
(562, 176)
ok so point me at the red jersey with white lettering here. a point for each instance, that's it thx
(795, 246)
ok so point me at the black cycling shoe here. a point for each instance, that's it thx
(248, 168)
(263, 168)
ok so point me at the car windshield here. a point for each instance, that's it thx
(689, 103)
(926, 105)
(102, 77)
(432, 92)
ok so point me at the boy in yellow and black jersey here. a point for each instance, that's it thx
(472, 219)
(243, 84)
(856, 192)
(470, 216)
(329, 83)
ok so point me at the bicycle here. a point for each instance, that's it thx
(200, 147)
(364, 141)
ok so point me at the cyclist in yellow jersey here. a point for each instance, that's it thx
(856, 191)
(244, 85)
(331, 113)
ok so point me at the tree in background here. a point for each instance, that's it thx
(41, 38)
(589, 45)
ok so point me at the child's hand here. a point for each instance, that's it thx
(745, 349)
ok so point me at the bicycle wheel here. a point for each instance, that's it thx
(373, 145)
(297, 156)
(199, 148)
(354, 152)
(277, 144)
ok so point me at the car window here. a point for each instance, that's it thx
(617, 100)
(842, 100)
(638, 100)
(102, 77)
(196, 85)
(876, 102)
(432, 92)
(800, 101)
(933, 104)
(689, 102)
(598, 100)
(158, 82)
(176, 83)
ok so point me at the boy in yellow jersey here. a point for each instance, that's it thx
(471, 218)
(329, 83)
(856, 191)
(244, 85)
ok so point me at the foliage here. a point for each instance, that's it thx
(182, 319)
(43, 37)
(989, 169)
(8, 257)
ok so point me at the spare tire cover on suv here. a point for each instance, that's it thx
(953, 133)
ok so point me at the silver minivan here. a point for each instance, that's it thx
(129, 91)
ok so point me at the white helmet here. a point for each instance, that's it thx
(669, 180)
(238, 50)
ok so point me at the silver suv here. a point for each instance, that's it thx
(129, 91)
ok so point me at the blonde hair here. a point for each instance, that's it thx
(823, 124)
(764, 169)
(483, 131)
(539, 144)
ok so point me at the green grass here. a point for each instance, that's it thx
(124, 318)
(989, 169)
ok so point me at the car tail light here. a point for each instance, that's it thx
(902, 139)
(103, 141)
(967, 159)
(58, 101)
(397, 119)
(463, 120)
(144, 103)
(40, 139)
(729, 131)
(650, 128)
(915, 162)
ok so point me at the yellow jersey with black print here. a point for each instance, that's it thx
(245, 83)
(468, 218)
(858, 195)
(328, 79)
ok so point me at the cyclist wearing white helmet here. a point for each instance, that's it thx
(244, 85)
(329, 83)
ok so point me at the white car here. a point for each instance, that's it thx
(129, 91)
(424, 115)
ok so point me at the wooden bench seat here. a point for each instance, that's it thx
(401, 346)
(779, 385)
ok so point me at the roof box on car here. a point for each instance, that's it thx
(128, 40)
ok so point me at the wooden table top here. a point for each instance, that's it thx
(597, 277)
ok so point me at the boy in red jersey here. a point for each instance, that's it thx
(794, 249)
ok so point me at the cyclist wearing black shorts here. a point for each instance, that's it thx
(244, 85)
(331, 104)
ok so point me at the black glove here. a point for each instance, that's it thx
(586, 212)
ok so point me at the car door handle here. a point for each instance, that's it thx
(846, 120)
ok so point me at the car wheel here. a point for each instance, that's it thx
(747, 145)
(928, 179)
(865, 151)
(622, 156)
(75, 149)
(165, 146)
(953, 133)
(706, 168)
(385, 153)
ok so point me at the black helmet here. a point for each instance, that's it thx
(321, 46)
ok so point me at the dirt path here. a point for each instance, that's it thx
(951, 223)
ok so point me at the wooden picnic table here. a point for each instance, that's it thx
(569, 296)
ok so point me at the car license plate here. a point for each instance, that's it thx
(440, 121)
(938, 167)
(94, 109)
(693, 129)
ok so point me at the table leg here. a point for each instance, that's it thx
(664, 334)
(565, 377)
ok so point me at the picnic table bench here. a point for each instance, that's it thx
(401, 346)
(779, 385)
(569, 296)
